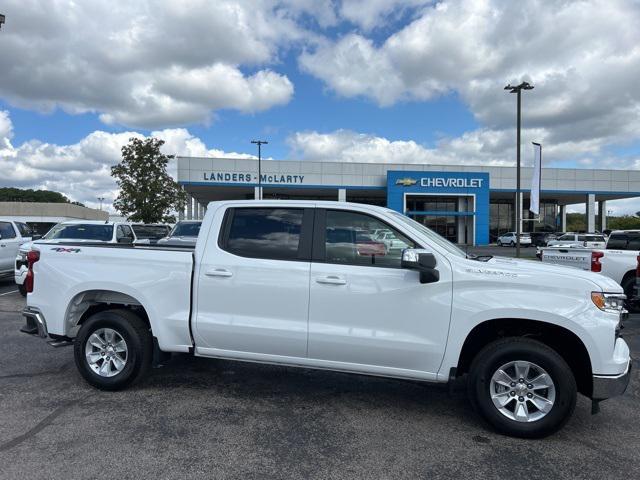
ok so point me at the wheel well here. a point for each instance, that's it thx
(85, 304)
(629, 274)
(563, 341)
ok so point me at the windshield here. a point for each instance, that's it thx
(79, 231)
(190, 229)
(431, 235)
(152, 232)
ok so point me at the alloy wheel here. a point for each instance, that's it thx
(522, 391)
(106, 352)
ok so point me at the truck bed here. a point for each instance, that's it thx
(156, 277)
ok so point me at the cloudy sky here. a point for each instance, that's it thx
(356, 80)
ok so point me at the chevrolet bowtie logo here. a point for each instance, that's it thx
(406, 182)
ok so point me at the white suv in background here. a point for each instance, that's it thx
(12, 235)
(589, 240)
(510, 239)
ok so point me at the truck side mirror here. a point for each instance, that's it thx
(422, 261)
(125, 240)
(35, 236)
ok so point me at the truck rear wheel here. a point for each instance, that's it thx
(113, 349)
(522, 387)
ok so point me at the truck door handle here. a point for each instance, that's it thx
(331, 280)
(218, 272)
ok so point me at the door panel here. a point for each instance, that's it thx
(250, 304)
(364, 309)
(379, 316)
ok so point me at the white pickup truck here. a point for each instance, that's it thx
(620, 261)
(280, 282)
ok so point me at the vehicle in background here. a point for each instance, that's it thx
(391, 241)
(149, 233)
(510, 239)
(76, 231)
(624, 240)
(589, 240)
(184, 234)
(12, 235)
(301, 283)
(540, 239)
(620, 261)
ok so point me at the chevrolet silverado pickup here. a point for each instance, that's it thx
(284, 282)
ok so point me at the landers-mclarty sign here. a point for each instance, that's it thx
(451, 182)
(228, 177)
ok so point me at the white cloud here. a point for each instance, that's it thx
(371, 14)
(583, 58)
(82, 171)
(147, 64)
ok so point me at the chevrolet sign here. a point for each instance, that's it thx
(451, 182)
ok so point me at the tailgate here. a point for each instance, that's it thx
(569, 257)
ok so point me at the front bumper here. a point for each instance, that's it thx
(35, 322)
(607, 386)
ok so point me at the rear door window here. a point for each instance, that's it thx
(617, 241)
(269, 233)
(634, 241)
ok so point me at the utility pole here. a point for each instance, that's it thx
(518, 207)
(259, 143)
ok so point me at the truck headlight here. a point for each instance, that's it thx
(609, 302)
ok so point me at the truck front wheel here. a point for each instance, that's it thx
(113, 349)
(522, 387)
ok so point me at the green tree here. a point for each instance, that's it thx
(9, 194)
(147, 192)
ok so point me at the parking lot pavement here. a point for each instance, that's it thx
(7, 286)
(218, 419)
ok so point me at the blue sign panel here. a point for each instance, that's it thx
(464, 184)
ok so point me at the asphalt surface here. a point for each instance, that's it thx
(218, 419)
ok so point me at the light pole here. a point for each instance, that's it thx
(606, 220)
(100, 199)
(1, 20)
(517, 89)
(259, 143)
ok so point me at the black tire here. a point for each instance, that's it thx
(23, 290)
(499, 353)
(134, 331)
(512, 244)
(499, 243)
(628, 285)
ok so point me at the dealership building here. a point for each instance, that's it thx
(466, 204)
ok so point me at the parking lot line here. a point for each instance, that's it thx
(8, 293)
